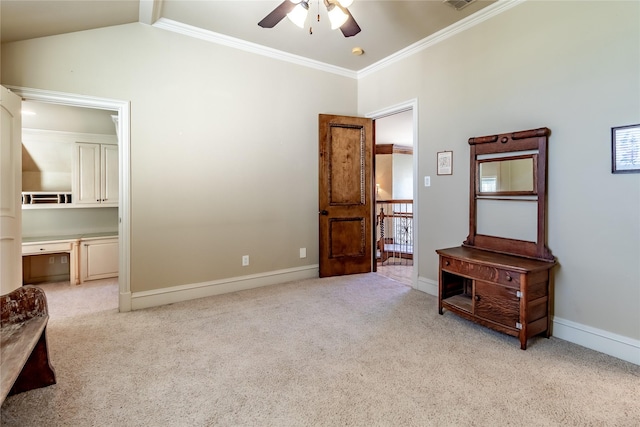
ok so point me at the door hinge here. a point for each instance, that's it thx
(518, 325)
(518, 294)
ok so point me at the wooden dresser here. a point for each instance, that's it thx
(503, 292)
(498, 281)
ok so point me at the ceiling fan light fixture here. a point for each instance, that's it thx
(299, 14)
(336, 16)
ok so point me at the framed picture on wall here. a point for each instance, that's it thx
(625, 149)
(445, 163)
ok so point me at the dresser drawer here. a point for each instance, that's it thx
(45, 248)
(481, 272)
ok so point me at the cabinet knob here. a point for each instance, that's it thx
(509, 278)
(477, 297)
(446, 263)
(97, 200)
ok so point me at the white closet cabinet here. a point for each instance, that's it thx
(95, 174)
(98, 258)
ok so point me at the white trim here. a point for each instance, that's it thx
(149, 11)
(428, 286)
(222, 39)
(596, 339)
(124, 162)
(464, 24)
(163, 296)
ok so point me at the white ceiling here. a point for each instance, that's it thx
(387, 26)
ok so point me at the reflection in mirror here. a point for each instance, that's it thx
(512, 175)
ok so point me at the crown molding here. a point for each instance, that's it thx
(210, 36)
(464, 24)
(188, 30)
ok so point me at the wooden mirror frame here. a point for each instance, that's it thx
(527, 140)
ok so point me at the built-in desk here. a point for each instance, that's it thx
(72, 246)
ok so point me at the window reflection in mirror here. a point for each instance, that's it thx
(512, 175)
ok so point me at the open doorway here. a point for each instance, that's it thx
(70, 202)
(120, 110)
(395, 180)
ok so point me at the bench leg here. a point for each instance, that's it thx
(37, 372)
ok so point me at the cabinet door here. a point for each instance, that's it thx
(109, 174)
(497, 303)
(86, 179)
(99, 259)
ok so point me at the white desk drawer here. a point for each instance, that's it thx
(45, 248)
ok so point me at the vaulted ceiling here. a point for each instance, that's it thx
(388, 27)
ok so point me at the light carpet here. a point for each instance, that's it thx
(360, 350)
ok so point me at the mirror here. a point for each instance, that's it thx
(507, 176)
(508, 194)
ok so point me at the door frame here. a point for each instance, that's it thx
(124, 170)
(412, 105)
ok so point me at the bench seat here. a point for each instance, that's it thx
(24, 358)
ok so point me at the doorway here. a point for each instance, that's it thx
(68, 151)
(121, 111)
(396, 213)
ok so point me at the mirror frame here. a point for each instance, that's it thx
(527, 140)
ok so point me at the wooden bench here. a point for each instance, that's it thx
(24, 358)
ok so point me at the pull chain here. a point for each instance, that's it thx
(310, 27)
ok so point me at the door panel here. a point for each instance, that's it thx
(10, 191)
(345, 195)
(497, 303)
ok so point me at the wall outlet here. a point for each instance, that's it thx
(63, 259)
(245, 260)
(427, 181)
(303, 252)
(52, 260)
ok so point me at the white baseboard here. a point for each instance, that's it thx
(615, 345)
(428, 286)
(157, 297)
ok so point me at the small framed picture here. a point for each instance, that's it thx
(625, 149)
(445, 163)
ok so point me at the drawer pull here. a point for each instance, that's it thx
(509, 278)
(447, 263)
(477, 298)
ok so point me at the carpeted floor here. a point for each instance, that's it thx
(359, 350)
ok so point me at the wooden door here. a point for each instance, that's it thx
(10, 191)
(345, 195)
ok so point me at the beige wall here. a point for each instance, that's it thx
(384, 176)
(572, 67)
(223, 145)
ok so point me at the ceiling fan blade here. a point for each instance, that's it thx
(350, 27)
(277, 14)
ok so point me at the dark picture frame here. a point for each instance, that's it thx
(625, 149)
(445, 163)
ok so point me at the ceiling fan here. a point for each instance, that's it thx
(296, 11)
